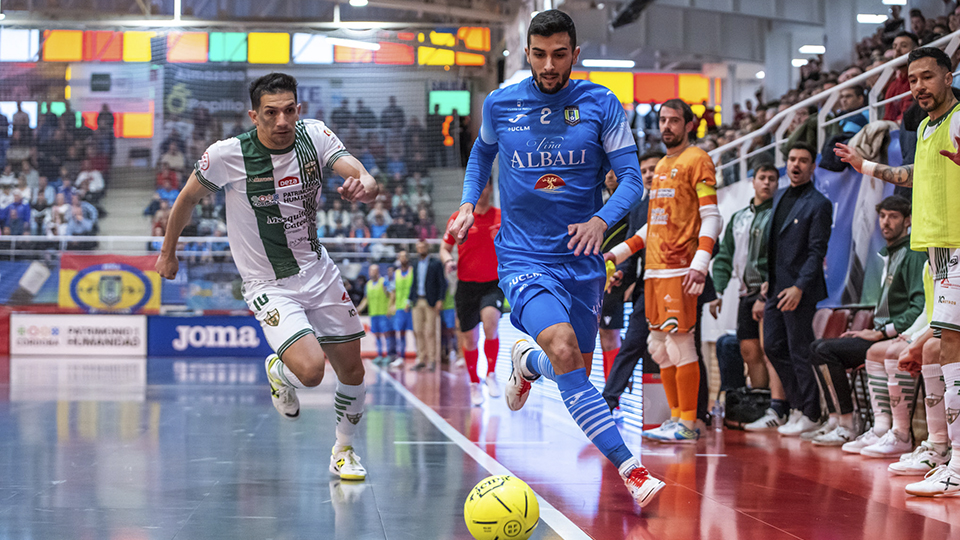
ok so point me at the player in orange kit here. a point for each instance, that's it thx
(682, 227)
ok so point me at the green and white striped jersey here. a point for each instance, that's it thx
(272, 197)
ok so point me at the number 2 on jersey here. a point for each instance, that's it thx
(544, 113)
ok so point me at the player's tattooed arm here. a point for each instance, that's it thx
(898, 176)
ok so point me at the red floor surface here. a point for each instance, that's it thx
(731, 485)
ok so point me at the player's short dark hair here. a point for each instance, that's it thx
(766, 167)
(550, 22)
(930, 52)
(651, 154)
(682, 106)
(271, 83)
(913, 37)
(895, 203)
(800, 145)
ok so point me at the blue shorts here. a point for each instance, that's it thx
(577, 286)
(380, 324)
(402, 321)
(449, 318)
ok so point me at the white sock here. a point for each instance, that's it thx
(901, 386)
(348, 402)
(628, 466)
(951, 403)
(282, 372)
(936, 415)
(879, 396)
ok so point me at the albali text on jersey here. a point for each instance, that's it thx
(272, 197)
(554, 152)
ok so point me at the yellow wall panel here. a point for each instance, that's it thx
(430, 56)
(138, 125)
(620, 82)
(136, 46)
(470, 59)
(62, 45)
(443, 39)
(694, 88)
(268, 48)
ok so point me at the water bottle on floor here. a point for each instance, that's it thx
(716, 414)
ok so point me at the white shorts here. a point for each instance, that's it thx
(945, 264)
(313, 302)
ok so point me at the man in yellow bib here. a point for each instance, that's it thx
(936, 229)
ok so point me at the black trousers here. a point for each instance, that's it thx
(633, 347)
(839, 355)
(787, 336)
(730, 362)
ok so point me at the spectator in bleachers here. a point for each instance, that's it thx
(368, 160)
(849, 73)
(21, 120)
(364, 116)
(418, 164)
(45, 190)
(56, 218)
(900, 303)
(918, 26)
(166, 174)
(425, 227)
(434, 137)
(392, 118)
(91, 180)
(8, 178)
(89, 211)
(72, 163)
(743, 247)
(173, 158)
(341, 117)
(893, 111)
(798, 234)
(6, 195)
(20, 147)
(396, 166)
(197, 146)
(359, 229)
(415, 134)
(66, 188)
(420, 198)
(401, 228)
(17, 203)
(399, 196)
(30, 174)
(39, 212)
(14, 225)
(23, 190)
(852, 99)
(78, 224)
(338, 219)
(168, 192)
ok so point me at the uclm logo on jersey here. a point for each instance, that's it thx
(288, 181)
(221, 337)
(549, 182)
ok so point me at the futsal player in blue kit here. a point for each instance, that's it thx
(556, 138)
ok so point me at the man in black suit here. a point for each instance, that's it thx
(634, 345)
(426, 298)
(798, 234)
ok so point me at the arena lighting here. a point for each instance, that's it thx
(358, 3)
(760, 74)
(894, 2)
(813, 49)
(597, 63)
(354, 43)
(506, 52)
(799, 62)
(630, 13)
(870, 18)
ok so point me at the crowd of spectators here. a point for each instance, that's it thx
(404, 209)
(54, 175)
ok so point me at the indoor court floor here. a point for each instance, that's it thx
(112, 449)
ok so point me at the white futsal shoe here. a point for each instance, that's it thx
(921, 461)
(346, 464)
(284, 397)
(867, 438)
(643, 487)
(476, 394)
(518, 386)
(940, 482)
(493, 388)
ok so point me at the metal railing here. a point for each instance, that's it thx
(779, 124)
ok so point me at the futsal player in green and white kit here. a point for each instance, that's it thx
(271, 178)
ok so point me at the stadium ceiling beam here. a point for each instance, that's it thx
(112, 22)
(443, 9)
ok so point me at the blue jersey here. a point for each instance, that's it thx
(554, 152)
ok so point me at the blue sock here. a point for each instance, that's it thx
(591, 413)
(391, 344)
(379, 345)
(539, 363)
(402, 345)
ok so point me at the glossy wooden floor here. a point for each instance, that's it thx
(193, 449)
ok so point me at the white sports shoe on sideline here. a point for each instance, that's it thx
(284, 397)
(643, 487)
(890, 445)
(493, 388)
(660, 432)
(518, 387)
(940, 482)
(802, 425)
(921, 461)
(346, 464)
(865, 439)
(476, 394)
(824, 429)
(769, 420)
(837, 436)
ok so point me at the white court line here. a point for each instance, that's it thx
(560, 523)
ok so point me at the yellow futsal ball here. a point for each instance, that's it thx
(501, 507)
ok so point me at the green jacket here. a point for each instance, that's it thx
(743, 249)
(901, 294)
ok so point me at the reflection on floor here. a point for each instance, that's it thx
(193, 449)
